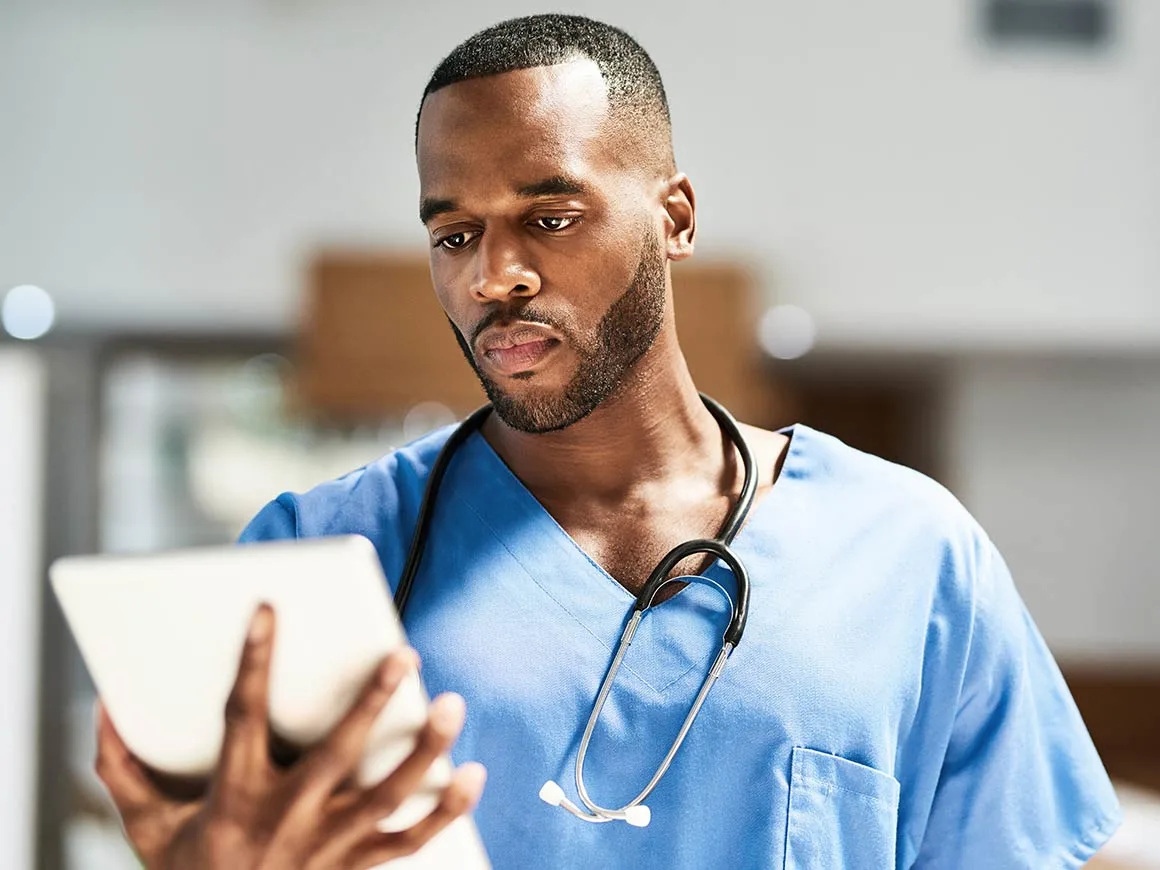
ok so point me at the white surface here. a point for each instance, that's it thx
(22, 408)
(1137, 842)
(161, 636)
(1060, 462)
(174, 163)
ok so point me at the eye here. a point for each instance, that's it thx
(454, 241)
(555, 224)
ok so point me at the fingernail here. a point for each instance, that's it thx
(261, 623)
(473, 776)
(391, 673)
(396, 666)
(448, 712)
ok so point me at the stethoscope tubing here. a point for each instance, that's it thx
(634, 811)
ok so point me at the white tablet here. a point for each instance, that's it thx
(162, 635)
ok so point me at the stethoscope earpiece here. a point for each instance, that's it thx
(638, 815)
(551, 793)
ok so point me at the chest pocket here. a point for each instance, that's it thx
(842, 815)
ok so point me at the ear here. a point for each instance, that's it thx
(681, 217)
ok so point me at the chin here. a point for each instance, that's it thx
(526, 396)
(536, 411)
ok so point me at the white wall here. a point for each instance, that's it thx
(1060, 461)
(22, 408)
(172, 163)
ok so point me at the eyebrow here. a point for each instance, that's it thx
(429, 208)
(557, 185)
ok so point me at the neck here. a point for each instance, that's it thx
(652, 429)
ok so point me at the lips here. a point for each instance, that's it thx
(516, 348)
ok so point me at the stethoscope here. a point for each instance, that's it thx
(634, 812)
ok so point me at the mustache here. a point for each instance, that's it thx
(502, 316)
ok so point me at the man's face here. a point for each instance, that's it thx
(546, 252)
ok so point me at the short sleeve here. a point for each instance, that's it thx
(1021, 784)
(278, 520)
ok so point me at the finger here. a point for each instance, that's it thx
(245, 746)
(329, 764)
(460, 797)
(124, 776)
(444, 723)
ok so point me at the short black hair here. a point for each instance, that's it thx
(633, 81)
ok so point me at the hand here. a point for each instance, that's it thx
(257, 816)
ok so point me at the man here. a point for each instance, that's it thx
(891, 703)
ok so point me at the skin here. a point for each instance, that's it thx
(643, 469)
(649, 467)
(255, 815)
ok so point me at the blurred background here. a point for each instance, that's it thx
(930, 227)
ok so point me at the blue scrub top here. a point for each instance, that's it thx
(890, 705)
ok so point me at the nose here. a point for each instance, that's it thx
(502, 269)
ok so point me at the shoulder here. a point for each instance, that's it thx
(870, 484)
(365, 501)
(892, 514)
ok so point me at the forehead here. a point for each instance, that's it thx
(514, 128)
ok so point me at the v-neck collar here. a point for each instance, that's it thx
(568, 575)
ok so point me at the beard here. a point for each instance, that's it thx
(623, 335)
